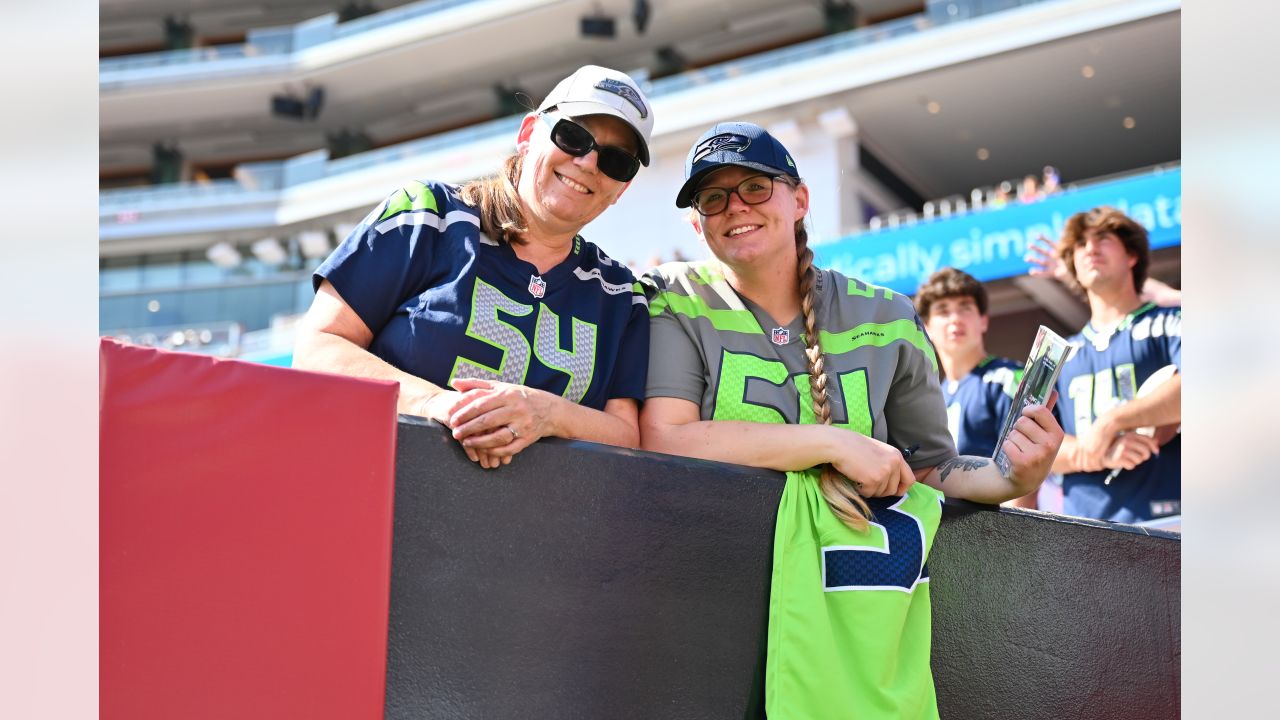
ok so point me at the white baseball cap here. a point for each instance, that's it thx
(595, 90)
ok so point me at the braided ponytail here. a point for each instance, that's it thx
(837, 489)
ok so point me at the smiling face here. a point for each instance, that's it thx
(956, 325)
(1102, 261)
(752, 237)
(562, 193)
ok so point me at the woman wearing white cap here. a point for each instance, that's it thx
(760, 358)
(483, 302)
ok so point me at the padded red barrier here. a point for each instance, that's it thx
(245, 552)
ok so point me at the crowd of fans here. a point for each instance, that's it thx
(1028, 190)
(1121, 459)
(1119, 394)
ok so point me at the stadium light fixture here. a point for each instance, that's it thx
(223, 255)
(598, 26)
(293, 107)
(314, 243)
(269, 251)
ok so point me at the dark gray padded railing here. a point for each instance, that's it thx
(583, 581)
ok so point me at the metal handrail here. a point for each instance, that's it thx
(110, 201)
(187, 56)
(278, 41)
(955, 205)
(395, 15)
(422, 146)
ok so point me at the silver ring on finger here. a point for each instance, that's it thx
(514, 435)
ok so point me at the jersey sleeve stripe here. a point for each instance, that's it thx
(741, 321)
(427, 218)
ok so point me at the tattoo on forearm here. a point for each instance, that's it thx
(962, 462)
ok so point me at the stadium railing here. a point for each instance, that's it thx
(979, 199)
(262, 45)
(269, 176)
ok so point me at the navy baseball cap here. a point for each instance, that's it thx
(734, 143)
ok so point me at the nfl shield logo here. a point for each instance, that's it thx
(537, 286)
(781, 336)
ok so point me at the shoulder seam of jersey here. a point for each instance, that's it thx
(426, 218)
(693, 307)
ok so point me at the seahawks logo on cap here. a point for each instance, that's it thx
(725, 141)
(626, 92)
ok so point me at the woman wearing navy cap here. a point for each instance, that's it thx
(760, 358)
(483, 302)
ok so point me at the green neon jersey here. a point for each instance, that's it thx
(849, 612)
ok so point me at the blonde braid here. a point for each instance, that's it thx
(837, 489)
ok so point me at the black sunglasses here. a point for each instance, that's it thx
(577, 141)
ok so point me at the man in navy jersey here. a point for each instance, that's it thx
(978, 387)
(1112, 471)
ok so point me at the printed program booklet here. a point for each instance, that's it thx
(1048, 353)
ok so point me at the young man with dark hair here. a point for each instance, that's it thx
(977, 387)
(1110, 471)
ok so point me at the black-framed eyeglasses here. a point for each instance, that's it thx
(578, 141)
(754, 190)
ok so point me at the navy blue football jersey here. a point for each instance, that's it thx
(444, 301)
(1105, 371)
(978, 403)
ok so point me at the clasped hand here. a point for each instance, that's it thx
(875, 468)
(492, 420)
(1102, 447)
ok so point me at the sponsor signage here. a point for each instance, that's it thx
(991, 243)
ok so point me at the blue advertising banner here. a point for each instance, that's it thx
(991, 243)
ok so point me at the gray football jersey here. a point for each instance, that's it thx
(714, 348)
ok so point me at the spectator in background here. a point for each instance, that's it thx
(1043, 256)
(1051, 182)
(977, 387)
(1004, 193)
(466, 295)
(1100, 391)
(1029, 191)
